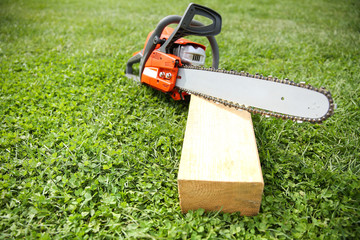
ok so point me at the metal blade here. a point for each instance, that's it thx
(301, 102)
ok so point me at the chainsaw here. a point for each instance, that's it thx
(175, 65)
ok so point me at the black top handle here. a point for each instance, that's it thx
(187, 27)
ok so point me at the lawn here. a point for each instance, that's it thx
(87, 153)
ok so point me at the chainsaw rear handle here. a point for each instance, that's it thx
(134, 59)
(187, 26)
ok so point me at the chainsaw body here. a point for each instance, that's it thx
(165, 49)
(161, 69)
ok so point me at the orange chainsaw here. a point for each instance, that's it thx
(174, 65)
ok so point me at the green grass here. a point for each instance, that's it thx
(87, 153)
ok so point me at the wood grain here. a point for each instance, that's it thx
(220, 166)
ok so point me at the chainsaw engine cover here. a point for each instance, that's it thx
(190, 55)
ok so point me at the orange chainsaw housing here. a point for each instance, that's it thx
(161, 69)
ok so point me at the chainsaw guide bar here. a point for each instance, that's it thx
(255, 110)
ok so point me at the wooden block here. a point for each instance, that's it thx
(219, 166)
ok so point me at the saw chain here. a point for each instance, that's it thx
(255, 110)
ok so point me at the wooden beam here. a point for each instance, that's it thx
(219, 166)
